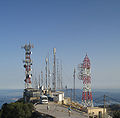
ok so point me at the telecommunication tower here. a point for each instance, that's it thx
(27, 65)
(46, 74)
(39, 82)
(54, 70)
(35, 83)
(74, 82)
(58, 75)
(85, 76)
(41, 78)
(61, 76)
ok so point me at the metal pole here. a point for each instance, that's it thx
(104, 106)
(71, 94)
(74, 83)
(46, 60)
(41, 78)
(61, 77)
(48, 73)
(39, 81)
(54, 70)
(58, 75)
(66, 91)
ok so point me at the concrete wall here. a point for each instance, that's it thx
(58, 96)
(67, 101)
(96, 111)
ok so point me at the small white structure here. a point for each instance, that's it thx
(96, 112)
(58, 96)
(43, 99)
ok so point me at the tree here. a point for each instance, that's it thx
(16, 110)
(116, 114)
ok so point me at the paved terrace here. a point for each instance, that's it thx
(59, 111)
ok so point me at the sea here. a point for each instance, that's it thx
(112, 96)
(10, 95)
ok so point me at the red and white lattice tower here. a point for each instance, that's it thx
(27, 65)
(85, 76)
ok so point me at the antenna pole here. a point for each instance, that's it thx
(41, 78)
(58, 75)
(74, 83)
(54, 70)
(61, 76)
(104, 105)
(66, 91)
(71, 94)
(39, 81)
(48, 73)
(46, 60)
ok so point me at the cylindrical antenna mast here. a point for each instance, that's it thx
(41, 78)
(54, 70)
(74, 82)
(46, 68)
(48, 73)
(61, 76)
(39, 81)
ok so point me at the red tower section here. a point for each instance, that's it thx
(85, 76)
(27, 65)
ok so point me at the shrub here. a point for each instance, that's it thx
(16, 110)
(116, 114)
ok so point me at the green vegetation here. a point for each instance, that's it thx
(20, 109)
(114, 110)
(116, 114)
(16, 110)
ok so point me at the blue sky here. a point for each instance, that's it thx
(73, 27)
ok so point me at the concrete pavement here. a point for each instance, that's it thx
(58, 111)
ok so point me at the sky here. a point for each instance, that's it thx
(73, 27)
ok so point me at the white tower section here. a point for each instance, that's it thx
(85, 76)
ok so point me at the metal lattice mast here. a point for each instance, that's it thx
(36, 82)
(39, 82)
(27, 65)
(85, 76)
(61, 76)
(74, 82)
(71, 95)
(41, 78)
(48, 73)
(46, 68)
(54, 70)
(58, 75)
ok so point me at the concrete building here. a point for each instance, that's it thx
(31, 94)
(96, 112)
(58, 96)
